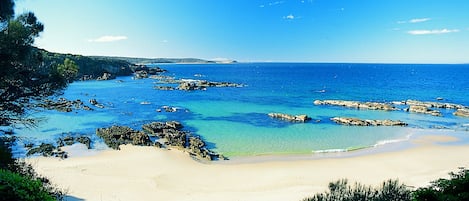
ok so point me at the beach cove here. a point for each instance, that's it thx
(148, 173)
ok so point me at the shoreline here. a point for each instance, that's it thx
(147, 173)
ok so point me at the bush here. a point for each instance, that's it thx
(14, 186)
(454, 189)
(340, 190)
(19, 181)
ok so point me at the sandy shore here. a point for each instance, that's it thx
(147, 173)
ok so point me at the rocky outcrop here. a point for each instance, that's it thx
(423, 110)
(164, 88)
(463, 112)
(63, 105)
(435, 104)
(106, 76)
(357, 104)
(292, 118)
(366, 122)
(141, 74)
(119, 135)
(47, 150)
(70, 140)
(96, 103)
(203, 85)
(170, 134)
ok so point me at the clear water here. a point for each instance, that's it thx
(234, 120)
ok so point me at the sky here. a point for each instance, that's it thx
(358, 31)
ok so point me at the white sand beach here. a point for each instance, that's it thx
(147, 173)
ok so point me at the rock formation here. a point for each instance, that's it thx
(366, 122)
(435, 104)
(463, 112)
(118, 135)
(170, 134)
(357, 104)
(106, 76)
(423, 110)
(292, 118)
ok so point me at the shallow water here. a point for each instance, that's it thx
(234, 120)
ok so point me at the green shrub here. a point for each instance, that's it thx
(454, 189)
(13, 186)
(390, 190)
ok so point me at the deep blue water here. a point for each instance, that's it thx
(234, 120)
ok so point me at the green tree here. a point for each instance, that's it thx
(68, 70)
(454, 189)
(23, 78)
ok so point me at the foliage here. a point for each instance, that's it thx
(92, 66)
(22, 77)
(16, 187)
(340, 190)
(453, 189)
(68, 70)
(19, 181)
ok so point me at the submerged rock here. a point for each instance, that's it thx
(366, 122)
(357, 104)
(293, 118)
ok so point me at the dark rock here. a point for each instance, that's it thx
(171, 135)
(62, 105)
(164, 88)
(203, 85)
(359, 122)
(96, 103)
(106, 76)
(70, 140)
(43, 149)
(118, 135)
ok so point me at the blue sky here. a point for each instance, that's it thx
(385, 31)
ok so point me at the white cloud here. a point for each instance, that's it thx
(418, 20)
(435, 31)
(106, 39)
(415, 20)
(289, 17)
(276, 3)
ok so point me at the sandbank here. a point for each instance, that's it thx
(148, 173)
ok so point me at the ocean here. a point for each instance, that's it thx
(234, 120)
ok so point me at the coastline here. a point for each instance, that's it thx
(147, 173)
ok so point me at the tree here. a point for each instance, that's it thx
(454, 189)
(68, 70)
(23, 78)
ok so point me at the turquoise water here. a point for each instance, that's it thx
(234, 120)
